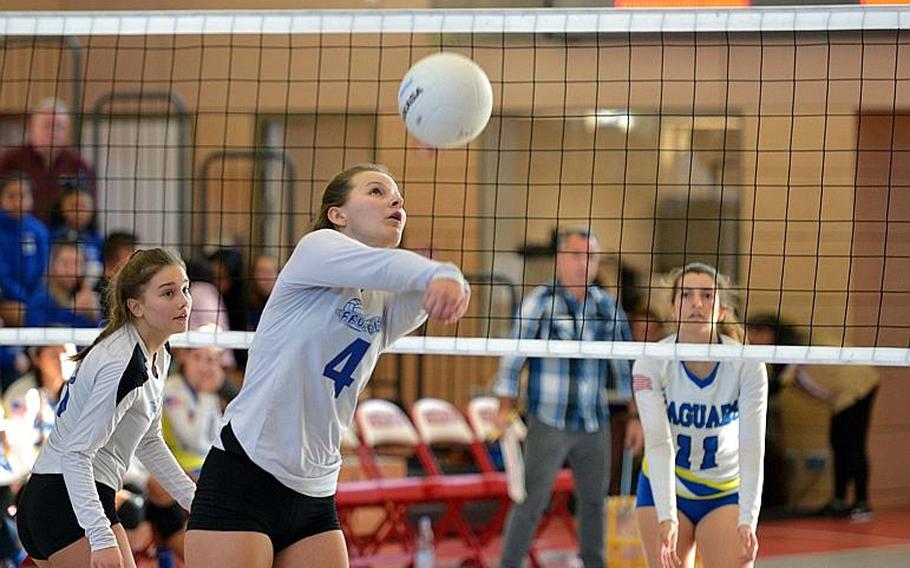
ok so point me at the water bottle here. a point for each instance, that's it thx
(166, 558)
(425, 555)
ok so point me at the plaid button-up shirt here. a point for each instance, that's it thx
(568, 394)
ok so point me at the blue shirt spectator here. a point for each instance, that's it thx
(64, 300)
(76, 223)
(568, 393)
(568, 415)
(43, 310)
(24, 242)
(92, 247)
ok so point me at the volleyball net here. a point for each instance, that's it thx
(768, 142)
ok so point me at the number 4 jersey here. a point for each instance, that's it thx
(337, 304)
(704, 435)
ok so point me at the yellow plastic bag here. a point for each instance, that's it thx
(623, 542)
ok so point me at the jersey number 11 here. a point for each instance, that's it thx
(684, 445)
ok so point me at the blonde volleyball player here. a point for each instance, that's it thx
(266, 492)
(704, 426)
(109, 410)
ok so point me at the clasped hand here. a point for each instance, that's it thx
(446, 300)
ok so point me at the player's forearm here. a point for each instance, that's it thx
(658, 451)
(753, 416)
(161, 463)
(330, 259)
(79, 479)
(662, 476)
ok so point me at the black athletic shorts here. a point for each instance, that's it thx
(167, 521)
(45, 517)
(235, 494)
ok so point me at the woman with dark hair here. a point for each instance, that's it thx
(228, 276)
(77, 223)
(46, 377)
(264, 275)
(770, 329)
(65, 299)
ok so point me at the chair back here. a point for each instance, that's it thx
(381, 423)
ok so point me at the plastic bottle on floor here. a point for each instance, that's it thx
(425, 553)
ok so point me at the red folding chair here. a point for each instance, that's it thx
(353, 495)
(440, 425)
(381, 423)
(481, 414)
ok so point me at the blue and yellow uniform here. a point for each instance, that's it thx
(704, 437)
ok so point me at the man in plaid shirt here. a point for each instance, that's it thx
(568, 416)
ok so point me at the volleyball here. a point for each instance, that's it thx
(445, 100)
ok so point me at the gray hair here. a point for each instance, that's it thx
(57, 106)
(584, 232)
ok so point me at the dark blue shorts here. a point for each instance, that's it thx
(694, 509)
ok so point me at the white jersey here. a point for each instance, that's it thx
(109, 411)
(715, 427)
(191, 421)
(337, 304)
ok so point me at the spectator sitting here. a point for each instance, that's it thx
(118, 247)
(208, 306)
(77, 212)
(24, 245)
(31, 402)
(228, 277)
(209, 312)
(265, 273)
(30, 405)
(46, 377)
(192, 407)
(64, 300)
(227, 271)
(13, 364)
(12, 473)
(47, 159)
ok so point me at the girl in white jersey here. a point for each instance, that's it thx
(110, 410)
(266, 492)
(704, 426)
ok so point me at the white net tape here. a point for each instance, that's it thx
(479, 346)
(582, 21)
(585, 22)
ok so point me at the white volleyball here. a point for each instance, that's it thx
(445, 100)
